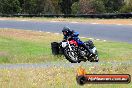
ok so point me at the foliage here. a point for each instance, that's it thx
(91, 6)
(75, 8)
(113, 6)
(127, 7)
(9, 6)
(64, 6)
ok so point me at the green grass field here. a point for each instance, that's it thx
(17, 46)
(20, 46)
(56, 77)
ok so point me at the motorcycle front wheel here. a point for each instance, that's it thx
(71, 56)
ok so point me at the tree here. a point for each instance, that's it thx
(99, 6)
(66, 6)
(75, 8)
(113, 6)
(45, 7)
(57, 9)
(127, 7)
(9, 6)
(91, 6)
(38, 6)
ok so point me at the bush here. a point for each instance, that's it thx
(9, 6)
(113, 6)
(75, 8)
(91, 6)
(127, 7)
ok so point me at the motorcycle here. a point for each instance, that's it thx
(75, 53)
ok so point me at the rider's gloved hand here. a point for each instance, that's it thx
(69, 37)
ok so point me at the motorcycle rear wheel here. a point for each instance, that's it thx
(94, 58)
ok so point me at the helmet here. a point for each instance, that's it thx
(72, 31)
(66, 29)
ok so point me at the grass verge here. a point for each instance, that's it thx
(21, 46)
(18, 46)
(56, 77)
(83, 20)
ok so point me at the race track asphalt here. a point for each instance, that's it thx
(112, 32)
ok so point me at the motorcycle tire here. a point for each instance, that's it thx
(69, 58)
(94, 58)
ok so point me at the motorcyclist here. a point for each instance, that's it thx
(74, 35)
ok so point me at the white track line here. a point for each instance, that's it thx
(94, 23)
(74, 22)
(98, 39)
(104, 40)
(23, 20)
(119, 24)
(48, 32)
(40, 31)
(57, 33)
(91, 38)
(82, 37)
(54, 21)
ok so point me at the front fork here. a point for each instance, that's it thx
(70, 48)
